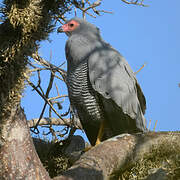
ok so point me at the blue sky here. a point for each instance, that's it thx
(142, 35)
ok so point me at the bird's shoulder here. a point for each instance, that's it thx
(107, 60)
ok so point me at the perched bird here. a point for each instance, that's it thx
(102, 88)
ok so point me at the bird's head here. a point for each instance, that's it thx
(77, 26)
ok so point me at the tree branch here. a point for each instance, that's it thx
(125, 156)
(54, 121)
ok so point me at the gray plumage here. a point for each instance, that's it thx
(101, 84)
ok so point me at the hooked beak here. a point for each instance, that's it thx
(60, 29)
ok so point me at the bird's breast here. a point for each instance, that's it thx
(77, 79)
(82, 96)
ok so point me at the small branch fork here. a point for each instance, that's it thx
(135, 2)
(86, 5)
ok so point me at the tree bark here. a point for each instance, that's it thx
(19, 159)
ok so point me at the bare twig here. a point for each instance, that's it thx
(155, 126)
(141, 68)
(46, 96)
(135, 2)
(53, 121)
(57, 97)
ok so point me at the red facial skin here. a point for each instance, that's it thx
(70, 26)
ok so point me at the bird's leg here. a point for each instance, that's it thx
(100, 133)
(99, 136)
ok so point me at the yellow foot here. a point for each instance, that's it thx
(100, 134)
(87, 148)
(98, 141)
(99, 137)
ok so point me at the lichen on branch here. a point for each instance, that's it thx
(25, 24)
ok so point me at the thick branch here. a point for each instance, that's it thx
(115, 156)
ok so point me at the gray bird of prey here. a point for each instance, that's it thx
(102, 88)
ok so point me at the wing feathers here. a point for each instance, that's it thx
(112, 77)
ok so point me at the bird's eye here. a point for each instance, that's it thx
(71, 25)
